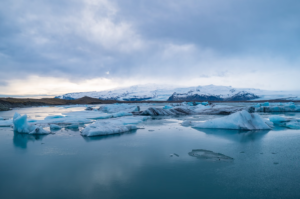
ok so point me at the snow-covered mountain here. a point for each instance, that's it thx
(154, 92)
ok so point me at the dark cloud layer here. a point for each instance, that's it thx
(80, 40)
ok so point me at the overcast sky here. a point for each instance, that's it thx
(60, 46)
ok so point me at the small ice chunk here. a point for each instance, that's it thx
(89, 108)
(293, 125)
(241, 120)
(54, 127)
(278, 119)
(73, 126)
(167, 107)
(1, 118)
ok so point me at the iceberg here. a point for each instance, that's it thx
(164, 112)
(113, 108)
(112, 126)
(1, 118)
(21, 125)
(241, 120)
(220, 110)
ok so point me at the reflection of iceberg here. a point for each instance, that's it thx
(20, 140)
(236, 135)
(241, 120)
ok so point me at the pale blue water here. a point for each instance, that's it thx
(138, 164)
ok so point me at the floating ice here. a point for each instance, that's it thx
(209, 155)
(293, 125)
(1, 118)
(218, 110)
(164, 112)
(21, 125)
(167, 107)
(113, 108)
(277, 107)
(6, 123)
(112, 126)
(73, 126)
(89, 108)
(241, 120)
(54, 127)
(97, 114)
(278, 119)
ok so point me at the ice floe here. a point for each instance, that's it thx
(112, 126)
(241, 120)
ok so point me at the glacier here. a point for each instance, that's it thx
(156, 92)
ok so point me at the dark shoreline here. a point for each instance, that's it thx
(9, 103)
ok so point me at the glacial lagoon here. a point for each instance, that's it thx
(159, 158)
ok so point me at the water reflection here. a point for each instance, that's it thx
(20, 140)
(236, 135)
(105, 137)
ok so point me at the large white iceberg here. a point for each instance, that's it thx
(112, 126)
(21, 125)
(241, 120)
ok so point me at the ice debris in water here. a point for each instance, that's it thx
(21, 125)
(113, 108)
(277, 107)
(241, 120)
(112, 126)
(293, 125)
(209, 155)
(6, 123)
(285, 122)
(1, 118)
(89, 108)
(174, 154)
(97, 114)
(73, 126)
(167, 107)
(54, 127)
(164, 112)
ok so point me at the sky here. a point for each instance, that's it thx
(54, 47)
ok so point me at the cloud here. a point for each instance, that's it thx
(131, 42)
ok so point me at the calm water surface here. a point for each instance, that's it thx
(138, 164)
